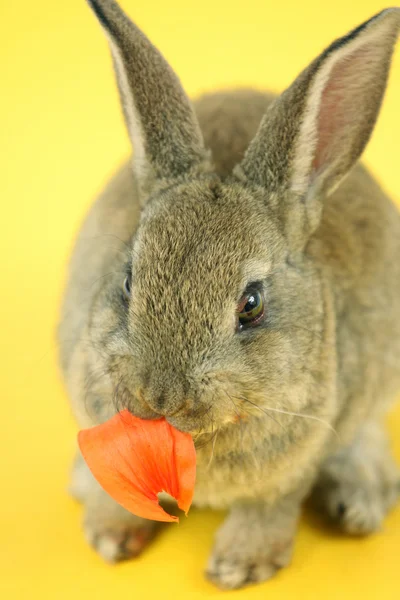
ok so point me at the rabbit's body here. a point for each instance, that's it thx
(354, 249)
(306, 410)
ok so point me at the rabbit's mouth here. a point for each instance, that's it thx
(201, 428)
(195, 420)
(196, 424)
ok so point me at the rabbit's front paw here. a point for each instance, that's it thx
(120, 541)
(111, 530)
(232, 567)
(251, 546)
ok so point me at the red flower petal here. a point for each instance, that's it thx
(135, 459)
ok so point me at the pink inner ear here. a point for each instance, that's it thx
(343, 103)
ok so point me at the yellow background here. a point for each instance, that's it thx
(61, 136)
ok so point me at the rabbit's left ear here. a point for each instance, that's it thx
(316, 130)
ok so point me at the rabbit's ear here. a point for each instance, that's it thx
(313, 134)
(163, 129)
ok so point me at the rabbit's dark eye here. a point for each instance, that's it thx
(251, 308)
(127, 286)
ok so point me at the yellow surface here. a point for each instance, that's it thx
(61, 136)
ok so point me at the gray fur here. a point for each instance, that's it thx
(273, 410)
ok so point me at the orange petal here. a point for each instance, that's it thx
(135, 459)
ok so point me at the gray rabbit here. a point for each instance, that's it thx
(241, 277)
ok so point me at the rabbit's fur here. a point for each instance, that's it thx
(206, 206)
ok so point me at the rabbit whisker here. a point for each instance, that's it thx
(291, 413)
(262, 410)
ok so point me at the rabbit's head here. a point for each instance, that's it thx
(221, 312)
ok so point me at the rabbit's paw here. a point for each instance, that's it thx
(120, 541)
(359, 485)
(111, 530)
(251, 546)
(230, 568)
(357, 511)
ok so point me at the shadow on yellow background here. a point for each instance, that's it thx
(61, 137)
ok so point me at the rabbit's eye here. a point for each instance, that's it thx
(127, 286)
(251, 309)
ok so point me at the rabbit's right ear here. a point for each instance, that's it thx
(164, 132)
(314, 133)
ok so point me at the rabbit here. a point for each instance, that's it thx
(240, 276)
